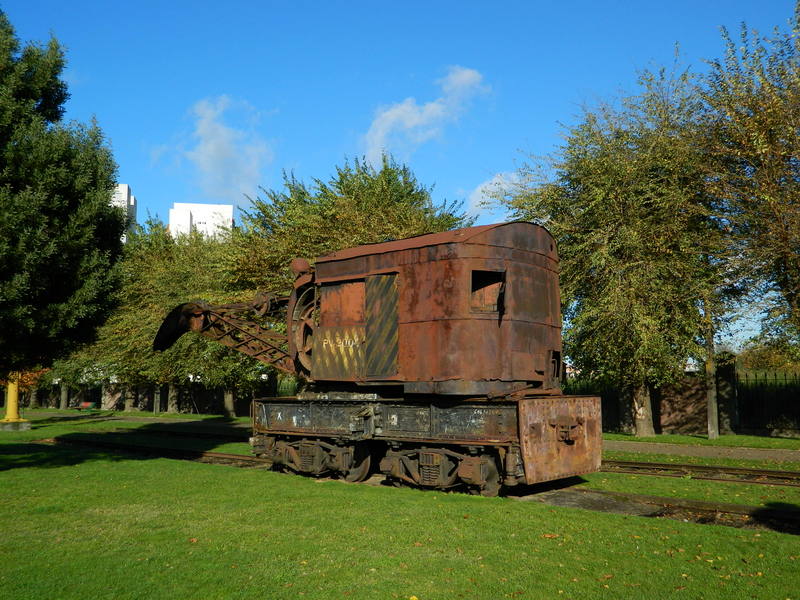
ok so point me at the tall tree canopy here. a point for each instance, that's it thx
(360, 204)
(624, 199)
(59, 236)
(158, 273)
(752, 141)
(673, 203)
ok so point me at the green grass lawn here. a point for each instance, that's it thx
(48, 424)
(695, 489)
(736, 441)
(38, 413)
(776, 465)
(80, 523)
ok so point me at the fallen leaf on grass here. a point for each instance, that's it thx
(550, 536)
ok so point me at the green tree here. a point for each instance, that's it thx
(767, 353)
(753, 148)
(360, 204)
(59, 236)
(641, 250)
(158, 273)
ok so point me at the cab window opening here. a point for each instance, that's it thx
(487, 288)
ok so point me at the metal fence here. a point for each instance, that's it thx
(607, 390)
(768, 400)
(749, 401)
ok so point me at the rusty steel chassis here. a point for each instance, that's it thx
(426, 465)
(480, 466)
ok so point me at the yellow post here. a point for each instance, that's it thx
(12, 407)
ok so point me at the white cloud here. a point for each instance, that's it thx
(157, 152)
(229, 158)
(461, 81)
(481, 201)
(404, 126)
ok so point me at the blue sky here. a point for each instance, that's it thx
(207, 101)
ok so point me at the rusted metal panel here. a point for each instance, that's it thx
(459, 423)
(314, 418)
(560, 436)
(519, 237)
(478, 309)
(478, 306)
(410, 420)
(420, 241)
(338, 345)
(342, 304)
(339, 353)
(381, 327)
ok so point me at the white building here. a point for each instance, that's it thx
(208, 219)
(124, 198)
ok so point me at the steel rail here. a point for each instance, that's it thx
(701, 508)
(166, 452)
(703, 472)
(696, 510)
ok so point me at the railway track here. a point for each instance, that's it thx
(238, 460)
(736, 515)
(675, 470)
(777, 518)
(704, 472)
(701, 472)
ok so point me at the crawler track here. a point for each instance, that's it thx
(705, 472)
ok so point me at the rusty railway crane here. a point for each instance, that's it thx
(435, 360)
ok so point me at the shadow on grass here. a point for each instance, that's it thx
(33, 455)
(546, 486)
(72, 420)
(144, 442)
(779, 516)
